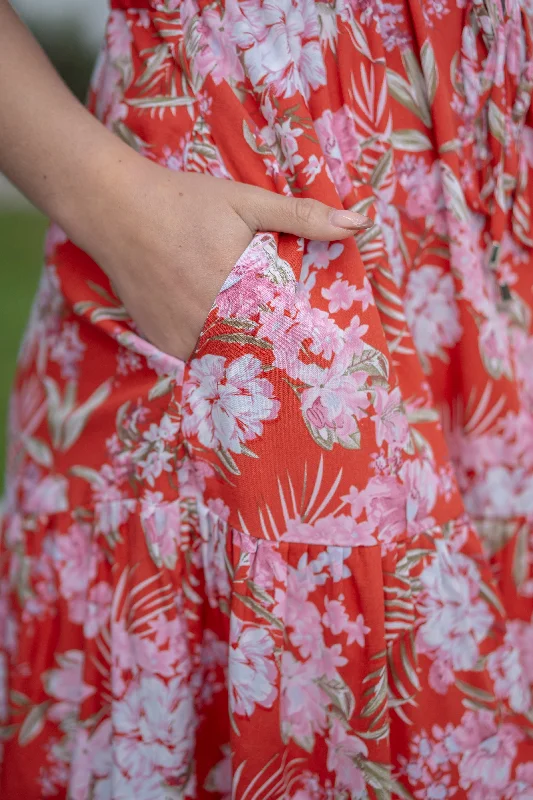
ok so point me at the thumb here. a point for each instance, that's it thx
(263, 210)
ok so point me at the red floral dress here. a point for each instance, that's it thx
(297, 566)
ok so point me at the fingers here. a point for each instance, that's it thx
(266, 211)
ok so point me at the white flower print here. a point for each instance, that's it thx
(252, 670)
(226, 405)
(432, 311)
(156, 723)
(280, 39)
(455, 617)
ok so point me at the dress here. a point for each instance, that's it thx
(298, 566)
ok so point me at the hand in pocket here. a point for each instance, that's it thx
(170, 240)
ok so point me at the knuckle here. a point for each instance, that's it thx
(304, 210)
(252, 212)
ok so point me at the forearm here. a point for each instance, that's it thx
(51, 147)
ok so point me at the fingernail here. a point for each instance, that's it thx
(349, 219)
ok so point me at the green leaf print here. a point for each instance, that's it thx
(411, 140)
(34, 723)
(340, 695)
(429, 68)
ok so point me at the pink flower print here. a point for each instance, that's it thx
(343, 752)
(494, 344)
(488, 751)
(306, 634)
(304, 705)
(338, 139)
(77, 556)
(331, 530)
(9, 628)
(287, 137)
(455, 618)
(340, 294)
(338, 621)
(441, 675)
(311, 790)
(119, 36)
(177, 160)
(124, 656)
(156, 723)
(67, 350)
(154, 657)
(45, 319)
(107, 84)
(287, 334)
(355, 499)
(318, 255)
(424, 190)
(111, 514)
(47, 496)
(65, 684)
(390, 419)
(342, 529)
(160, 362)
(268, 566)
(421, 484)
(192, 477)
(331, 660)
(161, 524)
(367, 9)
(392, 26)
(218, 508)
(217, 56)
(126, 785)
(432, 312)
(384, 499)
(342, 398)
(252, 670)
(44, 597)
(220, 777)
(317, 415)
(313, 168)
(343, 125)
(246, 288)
(354, 337)
(303, 580)
(226, 405)
(520, 636)
(93, 762)
(164, 364)
(508, 667)
(522, 787)
(434, 10)
(325, 335)
(365, 295)
(281, 44)
(98, 609)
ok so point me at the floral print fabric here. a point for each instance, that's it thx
(297, 566)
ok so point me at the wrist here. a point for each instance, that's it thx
(96, 192)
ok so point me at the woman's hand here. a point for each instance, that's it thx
(169, 240)
(166, 240)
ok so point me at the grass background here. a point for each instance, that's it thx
(21, 247)
(22, 231)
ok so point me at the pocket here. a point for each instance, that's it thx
(227, 298)
(252, 280)
(257, 257)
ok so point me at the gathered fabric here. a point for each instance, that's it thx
(297, 566)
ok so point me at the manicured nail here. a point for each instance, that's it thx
(350, 220)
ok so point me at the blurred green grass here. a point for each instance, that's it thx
(21, 247)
